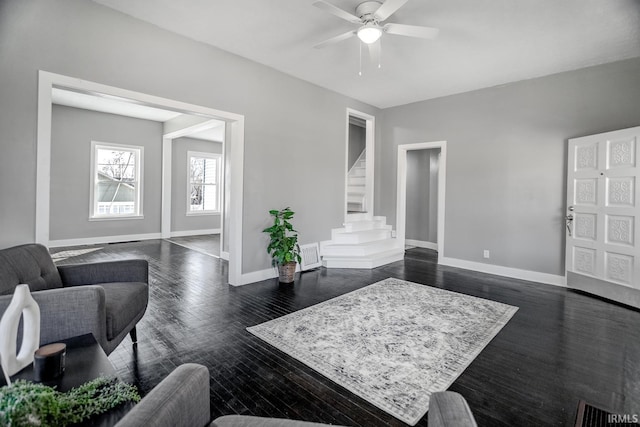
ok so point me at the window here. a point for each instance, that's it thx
(116, 187)
(203, 192)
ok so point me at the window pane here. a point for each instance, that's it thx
(115, 181)
(203, 180)
(115, 165)
(210, 198)
(196, 198)
(197, 169)
(210, 171)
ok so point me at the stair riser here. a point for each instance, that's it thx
(357, 217)
(355, 198)
(359, 250)
(356, 180)
(362, 263)
(360, 237)
(366, 225)
(359, 171)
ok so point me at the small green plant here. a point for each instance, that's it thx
(283, 244)
(31, 404)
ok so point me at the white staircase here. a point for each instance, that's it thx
(363, 242)
(356, 185)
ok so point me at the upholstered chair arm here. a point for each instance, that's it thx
(180, 400)
(449, 409)
(65, 313)
(135, 270)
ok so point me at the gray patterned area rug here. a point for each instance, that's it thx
(392, 343)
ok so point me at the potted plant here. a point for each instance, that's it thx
(283, 244)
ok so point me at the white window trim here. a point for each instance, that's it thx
(218, 158)
(95, 145)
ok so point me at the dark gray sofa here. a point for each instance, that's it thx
(106, 299)
(182, 400)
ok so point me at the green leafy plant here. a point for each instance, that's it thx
(283, 244)
(31, 404)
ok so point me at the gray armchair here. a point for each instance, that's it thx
(106, 299)
(182, 400)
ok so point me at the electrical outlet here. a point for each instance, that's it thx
(486, 253)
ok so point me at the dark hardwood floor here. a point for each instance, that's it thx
(561, 346)
(208, 244)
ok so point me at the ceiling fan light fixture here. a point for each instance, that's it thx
(369, 33)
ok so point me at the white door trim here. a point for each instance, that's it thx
(167, 161)
(401, 198)
(46, 82)
(370, 143)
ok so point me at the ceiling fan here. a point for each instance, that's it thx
(368, 16)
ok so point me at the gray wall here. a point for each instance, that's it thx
(422, 195)
(180, 221)
(294, 131)
(72, 131)
(506, 158)
(357, 143)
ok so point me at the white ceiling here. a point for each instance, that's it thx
(126, 107)
(482, 43)
(110, 105)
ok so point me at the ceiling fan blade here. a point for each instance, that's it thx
(388, 8)
(336, 39)
(411, 31)
(334, 10)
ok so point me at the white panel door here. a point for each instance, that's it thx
(603, 227)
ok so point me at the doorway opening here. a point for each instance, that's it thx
(207, 136)
(410, 157)
(234, 138)
(422, 198)
(359, 172)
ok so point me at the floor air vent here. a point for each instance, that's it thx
(590, 416)
(310, 256)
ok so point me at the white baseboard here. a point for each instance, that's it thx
(224, 255)
(516, 273)
(102, 240)
(187, 233)
(259, 276)
(421, 244)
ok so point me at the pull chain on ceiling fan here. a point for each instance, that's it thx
(368, 16)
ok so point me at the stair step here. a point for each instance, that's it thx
(355, 198)
(348, 228)
(358, 171)
(356, 189)
(367, 224)
(358, 217)
(372, 261)
(341, 236)
(356, 180)
(361, 249)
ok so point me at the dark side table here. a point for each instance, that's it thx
(85, 361)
